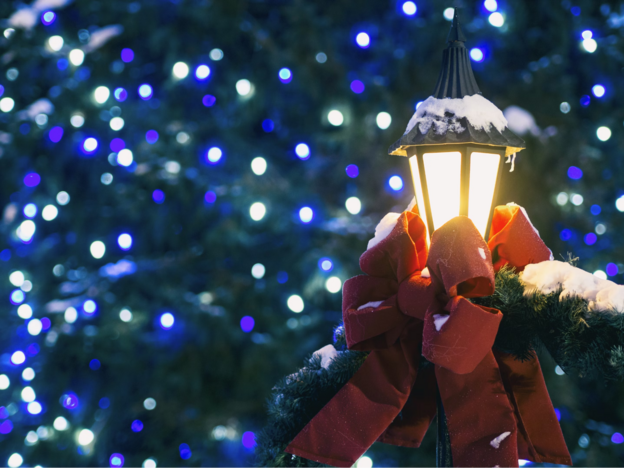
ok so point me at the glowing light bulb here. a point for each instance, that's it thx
(295, 303)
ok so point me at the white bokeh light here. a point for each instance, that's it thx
(60, 424)
(257, 211)
(34, 327)
(101, 94)
(28, 394)
(77, 120)
(619, 204)
(496, 19)
(383, 120)
(335, 118)
(243, 87)
(28, 374)
(24, 311)
(85, 437)
(15, 460)
(26, 230)
(116, 123)
(333, 284)
(71, 315)
(180, 70)
(364, 462)
(149, 404)
(49, 212)
(125, 157)
(149, 463)
(17, 278)
(62, 198)
(259, 165)
(600, 274)
(7, 104)
(589, 45)
(258, 271)
(55, 43)
(97, 249)
(576, 199)
(295, 303)
(353, 205)
(76, 57)
(125, 315)
(5, 382)
(603, 133)
(449, 13)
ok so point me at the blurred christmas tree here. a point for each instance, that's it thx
(186, 184)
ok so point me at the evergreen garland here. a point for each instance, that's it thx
(581, 341)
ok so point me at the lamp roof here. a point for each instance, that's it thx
(451, 121)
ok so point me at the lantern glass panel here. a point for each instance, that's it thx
(420, 199)
(483, 174)
(443, 173)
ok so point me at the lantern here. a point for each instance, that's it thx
(455, 143)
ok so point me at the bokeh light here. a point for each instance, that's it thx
(333, 284)
(258, 165)
(603, 133)
(496, 19)
(352, 171)
(575, 173)
(306, 214)
(180, 70)
(247, 324)
(285, 75)
(353, 205)
(302, 151)
(124, 241)
(295, 303)
(476, 54)
(383, 120)
(357, 87)
(598, 90)
(409, 8)
(257, 211)
(258, 271)
(166, 321)
(145, 91)
(362, 39)
(202, 72)
(214, 155)
(335, 118)
(396, 183)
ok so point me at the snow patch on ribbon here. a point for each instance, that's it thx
(482, 253)
(497, 440)
(548, 277)
(425, 273)
(439, 320)
(370, 304)
(480, 112)
(328, 354)
(386, 225)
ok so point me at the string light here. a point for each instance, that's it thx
(396, 183)
(61, 424)
(243, 87)
(589, 45)
(125, 241)
(302, 151)
(476, 54)
(490, 5)
(49, 212)
(7, 104)
(125, 157)
(24, 311)
(116, 123)
(71, 315)
(125, 315)
(85, 437)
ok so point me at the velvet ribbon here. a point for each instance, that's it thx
(497, 407)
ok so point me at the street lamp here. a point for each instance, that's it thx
(455, 143)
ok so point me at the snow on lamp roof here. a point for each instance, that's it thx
(457, 113)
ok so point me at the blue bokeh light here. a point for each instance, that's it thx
(151, 136)
(247, 323)
(117, 144)
(352, 171)
(591, 238)
(285, 75)
(214, 155)
(45, 323)
(124, 241)
(6, 427)
(595, 209)
(617, 438)
(598, 90)
(282, 277)
(17, 297)
(476, 54)
(202, 72)
(585, 100)
(18, 358)
(127, 55)
(120, 94)
(166, 321)
(185, 452)
(48, 18)
(612, 269)
(89, 307)
(249, 440)
(158, 196)
(396, 183)
(90, 145)
(357, 87)
(32, 179)
(70, 401)
(363, 40)
(268, 125)
(55, 134)
(208, 100)
(575, 173)
(306, 214)
(145, 91)
(94, 364)
(137, 426)
(558, 414)
(326, 264)
(303, 151)
(576, 10)
(116, 460)
(587, 34)
(210, 197)
(409, 8)
(34, 407)
(30, 210)
(565, 235)
(104, 403)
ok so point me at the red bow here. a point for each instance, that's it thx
(497, 407)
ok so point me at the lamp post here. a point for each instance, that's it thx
(455, 143)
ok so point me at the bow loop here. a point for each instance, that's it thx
(460, 261)
(401, 253)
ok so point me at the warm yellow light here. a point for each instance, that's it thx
(443, 172)
(420, 199)
(483, 173)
